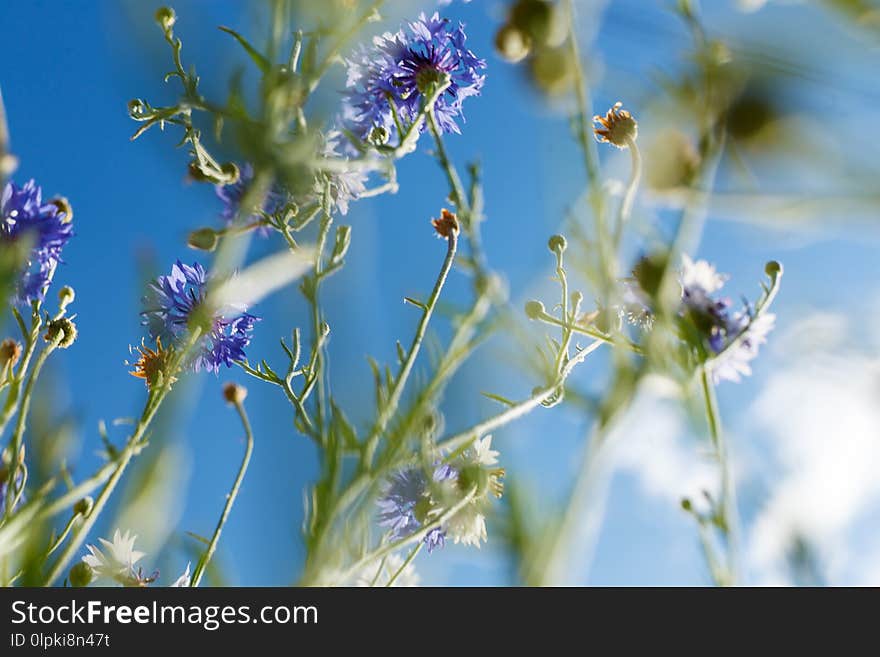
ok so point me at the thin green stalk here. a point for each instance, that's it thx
(341, 42)
(629, 196)
(230, 498)
(62, 536)
(590, 332)
(390, 407)
(455, 185)
(17, 436)
(408, 561)
(410, 539)
(12, 396)
(131, 448)
(584, 122)
(522, 408)
(729, 515)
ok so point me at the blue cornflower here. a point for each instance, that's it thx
(46, 226)
(407, 505)
(232, 195)
(402, 68)
(178, 300)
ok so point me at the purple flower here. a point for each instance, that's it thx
(732, 338)
(176, 303)
(406, 505)
(404, 67)
(45, 226)
(232, 196)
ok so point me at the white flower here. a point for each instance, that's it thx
(734, 361)
(118, 561)
(483, 452)
(700, 277)
(468, 526)
(475, 476)
(183, 580)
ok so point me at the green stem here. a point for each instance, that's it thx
(410, 539)
(409, 560)
(630, 194)
(21, 423)
(727, 508)
(230, 498)
(390, 406)
(12, 397)
(131, 448)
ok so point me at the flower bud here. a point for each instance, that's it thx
(63, 331)
(203, 239)
(512, 44)
(10, 352)
(557, 244)
(234, 393)
(773, 269)
(84, 506)
(552, 70)
(379, 136)
(66, 296)
(81, 574)
(136, 108)
(166, 18)
(535, 309)
(64, 208)
(540, 20)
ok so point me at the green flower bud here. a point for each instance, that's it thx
(62, 330)
(84, 506)
(557, 244)
(64, 208)
(535, 309)
(773, 269)
(81, 574)
(166, 18)
(203, 239)
(136, 108)
(686, 504)
(512, 44)
(66, 296)
(552, 70)
(379, 136)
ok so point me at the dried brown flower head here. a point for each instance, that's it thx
(152, 363)
(234, 393)
(618, 127)
(10, 352)
(446, 225)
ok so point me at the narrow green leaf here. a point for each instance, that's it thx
(258, 59)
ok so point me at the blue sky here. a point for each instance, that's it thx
(68, 70)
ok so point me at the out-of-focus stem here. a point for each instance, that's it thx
(727, 508)
(230, 498)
